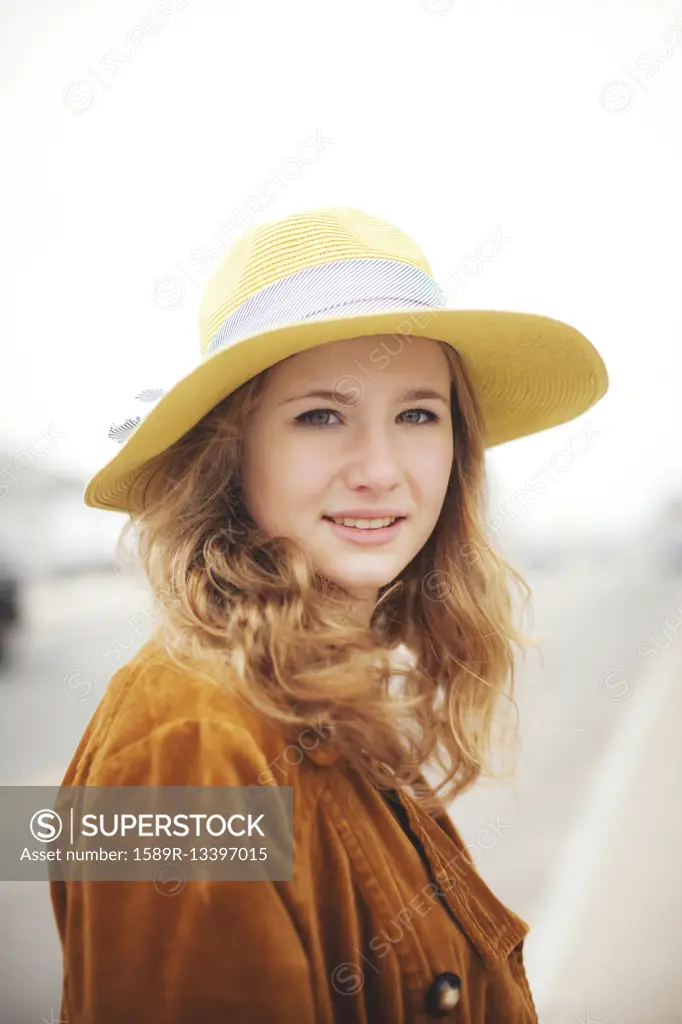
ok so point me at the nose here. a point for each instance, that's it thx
(375, 460)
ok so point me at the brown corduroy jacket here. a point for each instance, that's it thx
(377, 927)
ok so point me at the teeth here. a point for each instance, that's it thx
(366, 524)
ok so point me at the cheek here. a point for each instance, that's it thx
(259, 479)
(434, 469)
(309, 478)
(283, 485)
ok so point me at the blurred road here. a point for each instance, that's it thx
(588, 854)
(588, 851)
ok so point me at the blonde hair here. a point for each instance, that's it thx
(263, 621)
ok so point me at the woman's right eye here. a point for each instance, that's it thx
(304, 420)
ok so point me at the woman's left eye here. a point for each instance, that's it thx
(433, 417)
(305, 416)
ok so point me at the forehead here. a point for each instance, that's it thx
(384, 360)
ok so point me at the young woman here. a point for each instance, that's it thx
(308, 506)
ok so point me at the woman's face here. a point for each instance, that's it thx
(378, 444)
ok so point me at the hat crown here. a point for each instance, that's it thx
(275, 250)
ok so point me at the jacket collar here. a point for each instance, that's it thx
(493, 928)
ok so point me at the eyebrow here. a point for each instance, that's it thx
(413, 395)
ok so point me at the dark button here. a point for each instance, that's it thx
(443, 994)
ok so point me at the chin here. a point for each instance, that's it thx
(363, 581)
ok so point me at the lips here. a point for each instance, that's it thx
(366, 535)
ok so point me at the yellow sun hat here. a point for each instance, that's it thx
(337, 272)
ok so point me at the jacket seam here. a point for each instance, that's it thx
(519, 972)
(161, 730)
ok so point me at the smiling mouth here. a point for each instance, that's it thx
(380, 523)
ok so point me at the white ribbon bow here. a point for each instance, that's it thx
(120, 432)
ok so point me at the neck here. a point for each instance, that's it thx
(362, 608)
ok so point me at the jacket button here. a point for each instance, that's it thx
(443, 994)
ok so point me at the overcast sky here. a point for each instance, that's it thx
(134, 138)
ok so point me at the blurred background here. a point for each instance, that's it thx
(140, 142)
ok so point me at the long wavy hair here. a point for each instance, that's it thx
(253, 612)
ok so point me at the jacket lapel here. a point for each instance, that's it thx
(493, 928)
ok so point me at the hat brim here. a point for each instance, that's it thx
(530, 372)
